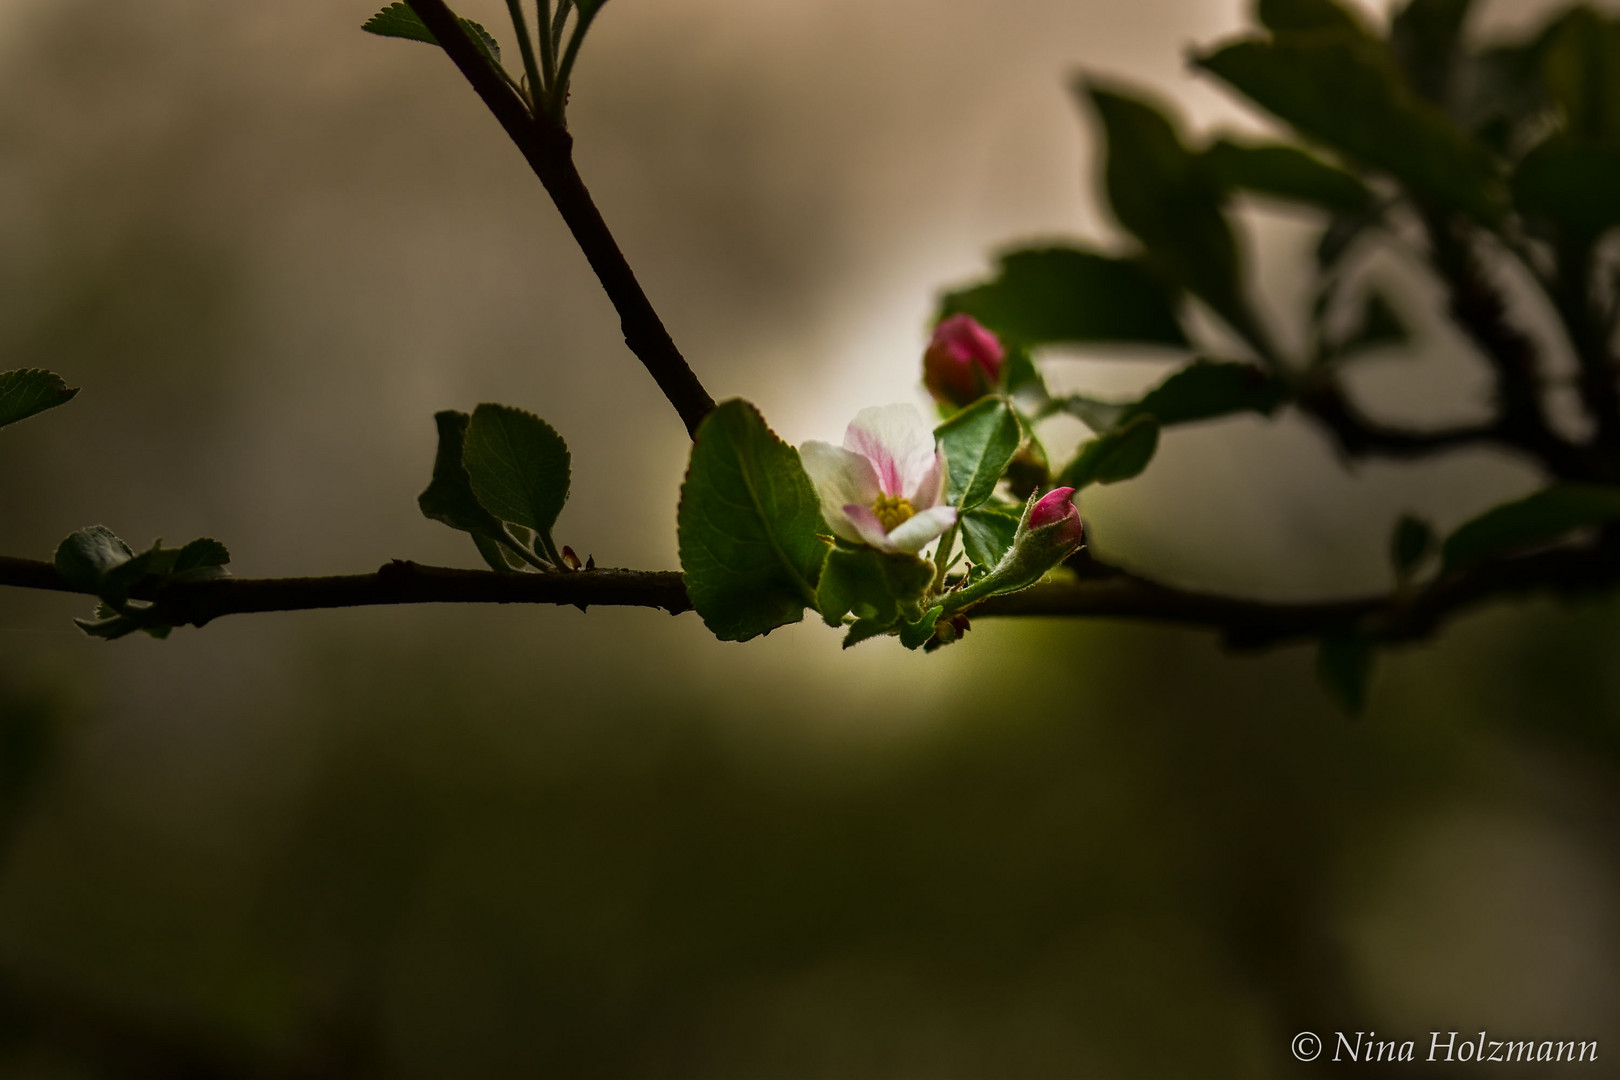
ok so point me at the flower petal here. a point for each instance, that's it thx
(869, 528)
(919, 530)
(840, 478)
(898, 443)
(931, 487)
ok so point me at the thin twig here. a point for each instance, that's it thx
(548, 148)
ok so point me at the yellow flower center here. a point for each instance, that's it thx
(892, 510)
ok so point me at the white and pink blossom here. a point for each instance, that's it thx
(884, 487)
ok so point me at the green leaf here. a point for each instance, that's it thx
(979, 443)
(399, 21)
(1580, 67)
(1171, 201)
(914, 635)
(1050, 296)
(1020, 378)
(518, 466)
(864, 630)
(1344, 663)
(86, 558)
(1118, 455)
(1542, 518)
(874, 585)
(1203, 390)
(1573, 184)
(201, 557)
(1347, 92)
(1380, 325)
(987, 534)
(29, 392)
(1207, 389)
(1410, 545)
(449, 497)
(1426, 36)
(749, 527)
(1288, 172)
(1285, 15)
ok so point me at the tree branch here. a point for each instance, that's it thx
(1101, 591)
(549, 150)
(1359, 436)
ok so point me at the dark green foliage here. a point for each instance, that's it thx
(1346, 91)
(1287, 172)
(518, 467)
(1204, 390)
(397, 20)
(1546, 517)
(1284, 15)
(1426, 36)
(877, 587)
(1120, 454)
(979, 443)
(29, 392)
(97, 561)
(1344, 663)
(1049, 296)
(749, 527)
(987, 533)
(449, 497)
(1571, 185)
(1410, 545)
(1171, 200)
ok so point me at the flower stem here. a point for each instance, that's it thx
(526, 47)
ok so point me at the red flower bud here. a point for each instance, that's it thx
(1057, 507)
(963, 361)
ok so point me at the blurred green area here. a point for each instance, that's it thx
(492, 842)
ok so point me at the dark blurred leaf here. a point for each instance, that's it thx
(1426, 36)
(748, 526)
(1380, 325)
(86, 558)
(987, 533)
(1346, 91)
(1410, 545)
(1286, 15)
(1207, 389)
(1203, 390)
(979, 443)
(1573, 184)
(1542, 518)
(449, 497)
(1021, 379)
(201, 557)
(399, 21)
(1580, 67)
(518, 466)
(29, 392)
(1288, 172)
(1119, 455)
(1047, 296)
(1344, 663)
(874, 585)
(1170, 200)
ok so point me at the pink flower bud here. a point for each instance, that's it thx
(1057, 507)
(963, 361)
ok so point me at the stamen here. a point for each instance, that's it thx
(892, 510)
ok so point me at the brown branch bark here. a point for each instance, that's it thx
(549, 150)
(1101, 591)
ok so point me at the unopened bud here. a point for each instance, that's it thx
(963, 361)
(569, 558)
(1050, 532)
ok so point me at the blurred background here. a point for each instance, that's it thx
(492, 842)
